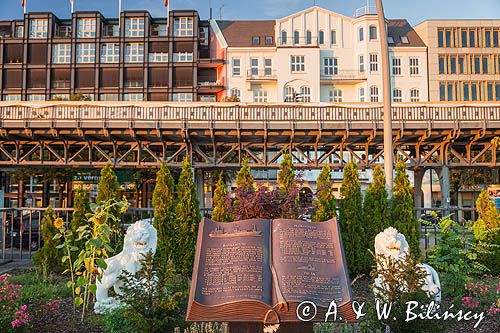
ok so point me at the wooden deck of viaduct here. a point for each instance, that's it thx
(90, 134)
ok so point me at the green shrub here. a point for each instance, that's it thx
(156, 294)
(325, 204)
(222, 203)
(81, 207)
(455, 257)
(123, 320)
(487, 229)
(47, 259)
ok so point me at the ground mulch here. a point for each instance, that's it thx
(62, 321)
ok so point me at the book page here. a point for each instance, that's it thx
(232, 263)
(309, 262)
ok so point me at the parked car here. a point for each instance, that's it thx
(16, 233)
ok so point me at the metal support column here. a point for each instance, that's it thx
(444, 180)
(199, 178)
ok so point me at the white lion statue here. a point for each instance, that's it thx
(392, 244)
(140, 238)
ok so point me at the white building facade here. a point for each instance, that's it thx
(317, 55)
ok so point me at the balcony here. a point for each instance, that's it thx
(343, 76)
(210, 86)
(210, 62)
(266, 74)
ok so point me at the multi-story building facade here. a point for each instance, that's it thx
(464, 59)
(133, 58)
(317, 55)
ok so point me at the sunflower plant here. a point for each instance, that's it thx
(86, 250)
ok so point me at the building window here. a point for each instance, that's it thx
(298, 64)
(373, 62)
(415, 95)
(182, 97)
(305, 94)
(134, 52)
(269, 40)
(160, 57)
(308, 37)
(133, 97)
(38, 28)
(108, 97)
(255, 40)
(361, 32)
(254, 66)
(36, 98)
(396, 66)
(414, 66)
(12, 98)
(362, 95)
(321, 37)
(86, 28)
(235, 92)
(85, 53)
(134, 27)
(236, 67)
(330, 66)
(296, 37)
(20, 31)
(361, 63)
(374, 94)
(133, 77)
(373, 32)
(183, 57)
(183, 26)
(405, 40)
(333, 37)
(390, 40)
(289, 94)
(60, 97)
(268, 67)
(260, 96)
(283, 37)
(61, 53)
(335, 95)
(397, 95)
(110, 53)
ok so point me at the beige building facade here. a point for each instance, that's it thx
(463, 59)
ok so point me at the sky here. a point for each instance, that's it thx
(415, 11)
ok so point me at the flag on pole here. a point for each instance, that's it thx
(23, 3)
(167, 4)
(71, 3)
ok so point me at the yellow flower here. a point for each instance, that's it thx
(59, 223)
(96, 220)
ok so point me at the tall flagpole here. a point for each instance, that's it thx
(168, 15)
(72, 5)
(25, 4)
(119, 14)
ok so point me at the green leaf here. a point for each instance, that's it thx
(96, 242)
(57, 236)
(101, 263)
(69, 284)
(78, 301)
(93, 288)
(80, 281)
(77, 290)
(60, 246)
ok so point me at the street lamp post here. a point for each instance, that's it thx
(388, 144)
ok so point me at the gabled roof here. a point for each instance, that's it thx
(241, 33)
(311, 9)
(401, 28)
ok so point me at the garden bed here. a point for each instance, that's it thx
(49, 305)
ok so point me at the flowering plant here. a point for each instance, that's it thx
(12, 314)
(482, 296)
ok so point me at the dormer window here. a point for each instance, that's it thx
(390, 40)
(255, 40)
(269, 40)
(405, 40)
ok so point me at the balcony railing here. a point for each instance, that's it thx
(300, 41)
(210, 83)
(261, 74)
(344, 74)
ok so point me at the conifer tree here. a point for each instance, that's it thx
(81, 207)
(188, 218)
(487, 230)
(164, 212)
(376, 206)
(286, 175)
(222, 203)
(108, 187)
(48, 258)
(402, 209)
(244, 178)
(351, 222)
(325, 203)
